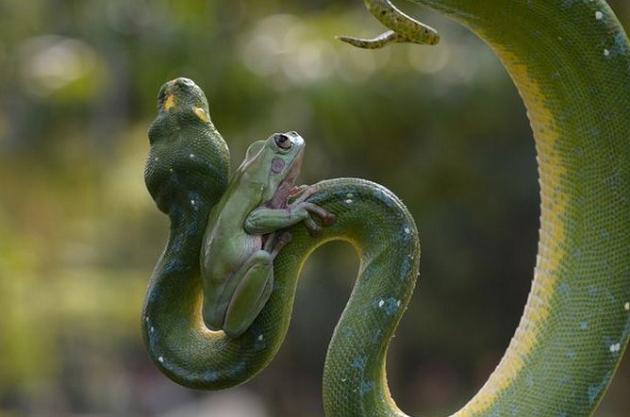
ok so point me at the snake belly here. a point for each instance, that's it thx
(570, 60)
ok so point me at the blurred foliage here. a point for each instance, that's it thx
(442, 127)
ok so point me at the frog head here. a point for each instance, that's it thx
(284, 152)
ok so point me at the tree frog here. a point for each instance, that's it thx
(242, 236)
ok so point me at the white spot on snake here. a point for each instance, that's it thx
(171, 170)
(627, 306)
(599, 15)
(161, 359)
(606, 52)
(152, 329)
(260, 338)
(349, 195)
(407, 230)
(349, 201)
(366, 387)
(192, 155)
(398, 303)
(359, 363)
(344, 379)
(381, 303)
(146, 319)
(192, 202)
(615, 348)
(156, 159)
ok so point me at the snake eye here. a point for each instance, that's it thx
(283, 141)
(162, 94)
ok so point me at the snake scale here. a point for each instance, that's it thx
(570, 60)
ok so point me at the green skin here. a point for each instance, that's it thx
(570, 60)
(236, 268)
(403, 28)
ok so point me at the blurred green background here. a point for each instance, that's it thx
(443, 127)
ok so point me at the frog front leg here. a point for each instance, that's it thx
(255, 278)
(263, 220)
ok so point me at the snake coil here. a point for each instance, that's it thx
(570, 60)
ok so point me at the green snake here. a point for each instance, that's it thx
(570, 60)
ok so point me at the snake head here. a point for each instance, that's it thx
(181, 93)
(187, 152)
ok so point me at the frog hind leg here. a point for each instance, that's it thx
(254, 288)
(275, 242)
(251, 294)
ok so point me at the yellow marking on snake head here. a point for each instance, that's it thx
(201, 114)
(169, 103)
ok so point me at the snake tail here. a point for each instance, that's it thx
(570, 60)
(403, 28)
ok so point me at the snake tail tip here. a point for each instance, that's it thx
(359, 43)
(345, 39)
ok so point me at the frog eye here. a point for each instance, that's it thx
(283, 141)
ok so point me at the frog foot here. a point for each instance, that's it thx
(301, 193)
(327, 218)
(299, 196)
(276, 241)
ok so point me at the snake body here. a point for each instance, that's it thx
(570, 60)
